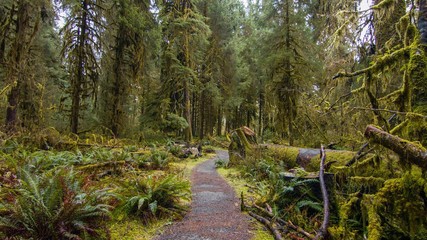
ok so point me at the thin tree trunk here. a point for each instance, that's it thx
(219, 122)
(260, 113)
(202, 116)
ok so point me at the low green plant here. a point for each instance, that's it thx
(158, 160)
(157, 197)
(175, 150)
(54, 206)
(221, 163)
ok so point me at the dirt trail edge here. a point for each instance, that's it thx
(215, 210)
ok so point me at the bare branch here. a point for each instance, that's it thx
(323, 231)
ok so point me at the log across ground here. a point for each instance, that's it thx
(215, 210)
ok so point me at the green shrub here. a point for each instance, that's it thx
(57, 206)
(157, 197)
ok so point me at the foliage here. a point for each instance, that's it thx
(152, 197)
(158, 159)
(175, 150)
(173, 122)
(54, 206)
(221, 163)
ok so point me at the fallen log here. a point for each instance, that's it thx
(409, 152)
(244, 146)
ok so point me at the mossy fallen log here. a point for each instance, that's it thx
(244, 146)
(409, 152)
(306, 158)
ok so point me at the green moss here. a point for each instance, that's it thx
(374, 221)
(339, 233)
(135, 229)
(339, 157)
(365, 184)
(260, 233)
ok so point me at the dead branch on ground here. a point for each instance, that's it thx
(323, 231)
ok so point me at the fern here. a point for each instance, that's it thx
(311, 204)
(157, 197)
(54, 206)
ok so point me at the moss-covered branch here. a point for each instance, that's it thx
(408, 151)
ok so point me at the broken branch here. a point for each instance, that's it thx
(274, 231)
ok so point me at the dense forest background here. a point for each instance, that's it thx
(97, 96)
(126, 68)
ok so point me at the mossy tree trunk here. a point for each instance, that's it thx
(26, 16)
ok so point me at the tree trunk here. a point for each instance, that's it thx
(202, 115)
(78, 80)
(385, 27)
(288, 77)
(422, 21)
(260, 113)
(187, 112)
(118, 87)
(18, 64)
(219, 122)
(409, 152)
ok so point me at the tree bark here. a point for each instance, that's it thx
(78, 80)
(408, 151)
(18, 63)
(422, 21)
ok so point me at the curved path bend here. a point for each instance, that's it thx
(215, 210)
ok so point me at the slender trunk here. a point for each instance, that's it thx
(187, 92)
(194, 114)
(288, 77)
(260, 113)
(219, 122)
(202, 116)
(79, 78)
(211, 119)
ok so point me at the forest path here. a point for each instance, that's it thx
(215, 210)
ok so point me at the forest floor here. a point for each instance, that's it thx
(215, 210)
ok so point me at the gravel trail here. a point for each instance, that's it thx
(215, 210)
